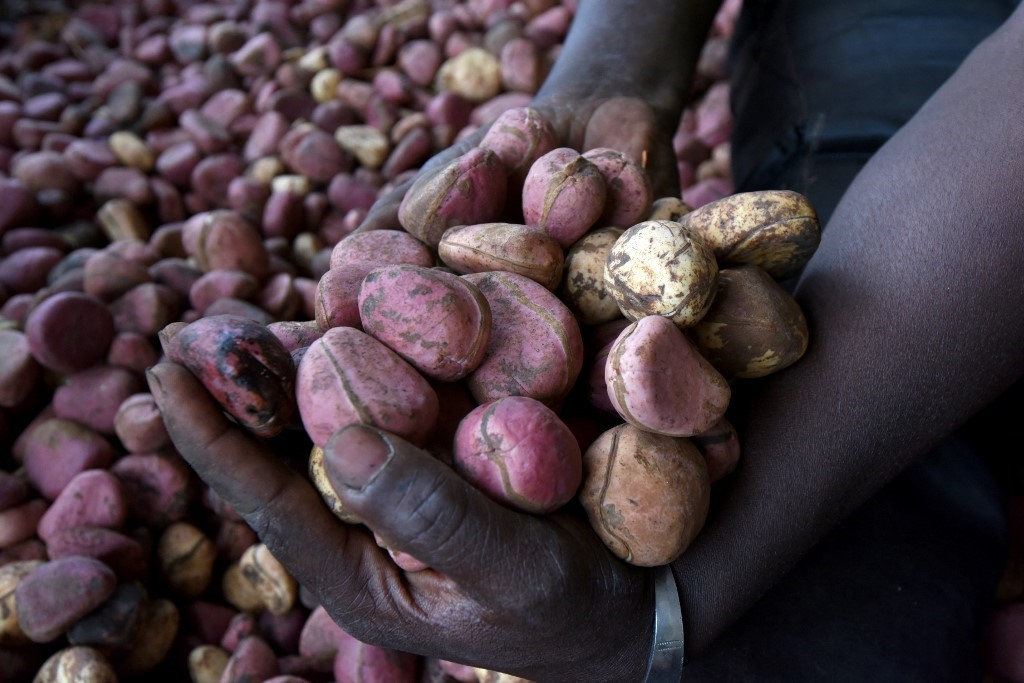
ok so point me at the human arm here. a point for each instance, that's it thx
(611, 86)
(914, 300)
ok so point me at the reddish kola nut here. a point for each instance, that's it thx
(437, 321)
(243, 366)
(659, 382)
(563, 194)
(520, 453)
(349, 377)
(629, 195)
(470, 189)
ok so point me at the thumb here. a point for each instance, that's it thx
(422, 507)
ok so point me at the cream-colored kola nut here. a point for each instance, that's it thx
(583, 287)
(291, 182)
(324, 86)
(318, 475)
(668, 209)
(131, 150)
(777, 230)
(474, 74)
(11, 575)
(488, 676)
(239, 592)
(276, 587)
(366, 143)
(265, 169)
(206, 663)
(186, 558)
(661, 268)
(76, 665)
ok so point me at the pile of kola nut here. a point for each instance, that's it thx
(170, 170)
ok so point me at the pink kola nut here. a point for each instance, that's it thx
(358, 662)
(18, 523)
(158, 488)
(320, 635)
(123, 554)
(380, 248)
(337, 297)
(243, 366)
(58, 449)
(564, 194)
(252, 660)
(519, 452)
(659, 382)
(629, 195)
(720, 446)
(519, 137)
(436, 320)
(536, 347)
(19, 371)
(92, 397)
(92, 498)
(349, 377)
(58, 593)
(470, 189)
(69, 331)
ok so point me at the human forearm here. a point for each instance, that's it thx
(913, 301)
(646, 49)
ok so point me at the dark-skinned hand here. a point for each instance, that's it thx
(626, 124)
(539, 597)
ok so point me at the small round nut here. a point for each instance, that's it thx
(662, 268)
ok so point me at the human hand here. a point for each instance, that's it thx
(627, 124)
(538, 597)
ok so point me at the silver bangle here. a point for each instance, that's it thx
(665, 663)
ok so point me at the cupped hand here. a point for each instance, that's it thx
(538, 597)
(627, 124)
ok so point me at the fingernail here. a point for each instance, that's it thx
(153, 380)
(356, 455)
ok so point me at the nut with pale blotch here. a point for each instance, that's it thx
(131, 150)
(122, 220)
(318, 475)
(186, 557)
(661, 268)
(76, 665)
(474, 74)
(265, 169)
(583, 287)
(277, 589)
(206, 663)
(777, 230)
(239, 592)
(291, 183)
(753, 328)
(508, 247)
(366, 143)
(11, 575)
(668, 209)
(646, 495)
(324, 86)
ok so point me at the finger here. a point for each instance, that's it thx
(283, 509)
(383, 215)
(422, 507)
(632, 127)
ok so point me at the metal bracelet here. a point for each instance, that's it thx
(665, 663)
